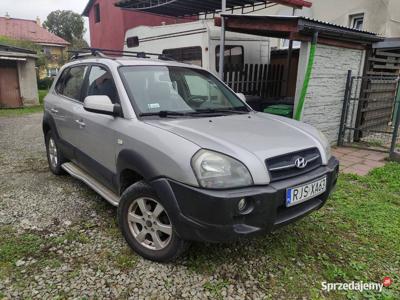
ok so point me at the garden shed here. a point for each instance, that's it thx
(18, 83)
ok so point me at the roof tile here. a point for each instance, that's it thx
(21, 29)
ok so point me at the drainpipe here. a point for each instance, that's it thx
(300, 106)
(222, 43)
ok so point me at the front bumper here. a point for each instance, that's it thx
(213, 216)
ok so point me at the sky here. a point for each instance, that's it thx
(30, 9)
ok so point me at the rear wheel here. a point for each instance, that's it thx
(146, 225)
(54, 155)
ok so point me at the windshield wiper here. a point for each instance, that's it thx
(163, 114)
(216, 111)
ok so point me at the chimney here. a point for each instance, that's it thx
(8, 16)
(38, 21)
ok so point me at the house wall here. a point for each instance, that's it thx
(380, 16)
(55, 60)
(109, 33)
(324, 99)
(28, 82)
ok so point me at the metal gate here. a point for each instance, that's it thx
(371, 113)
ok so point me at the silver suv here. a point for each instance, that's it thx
(180, 154)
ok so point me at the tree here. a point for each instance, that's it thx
(67, 25)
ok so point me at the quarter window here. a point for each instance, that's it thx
(190, 55)
(233, 58)
(101, 83)
(73, 82)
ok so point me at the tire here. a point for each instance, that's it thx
(145, 224)
(54, 156)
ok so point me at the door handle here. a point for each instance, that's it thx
(80, 123)
(53, 110)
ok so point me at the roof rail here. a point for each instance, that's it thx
(113, 54)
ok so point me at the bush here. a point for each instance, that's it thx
(45, 83)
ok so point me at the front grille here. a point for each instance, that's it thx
(283, 166)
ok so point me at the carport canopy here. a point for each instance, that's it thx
(181, 8)
(184, 8)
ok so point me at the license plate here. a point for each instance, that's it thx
(299, 194)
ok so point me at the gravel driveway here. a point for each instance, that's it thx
(59, 240)
(69, 245)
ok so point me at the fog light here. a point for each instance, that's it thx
(242, 204)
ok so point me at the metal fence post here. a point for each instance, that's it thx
(343, 118)
(393, 154)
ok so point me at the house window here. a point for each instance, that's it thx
(357, 21)
(191, 55)
(97, 13)
(46, 50)
(234, 58)
(52, 72)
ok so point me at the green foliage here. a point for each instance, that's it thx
(42, 94)
(67, 25)
(45, 83)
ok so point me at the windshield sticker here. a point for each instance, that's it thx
(153, 105)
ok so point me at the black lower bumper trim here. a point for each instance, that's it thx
(213, 216)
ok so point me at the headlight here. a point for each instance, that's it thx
(326, 145)
(218, 171)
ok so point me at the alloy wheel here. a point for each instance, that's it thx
(149, 223)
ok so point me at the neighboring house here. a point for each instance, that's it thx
(378, 16)
(108, 24)
(18, 86)
(29, 30)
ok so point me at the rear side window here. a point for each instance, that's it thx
(73, 82)
(101, 83)
(60, 83)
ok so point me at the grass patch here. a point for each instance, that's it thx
(215, 288)
(13, 112)
(355, 237)
(42, 94)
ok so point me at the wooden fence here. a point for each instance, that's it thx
(264, 80)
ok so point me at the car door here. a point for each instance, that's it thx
(97, 142)
(66, 100)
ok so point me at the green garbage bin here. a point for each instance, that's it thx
(283, 110)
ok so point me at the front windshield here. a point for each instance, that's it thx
(155, 89)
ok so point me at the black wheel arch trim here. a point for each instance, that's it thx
(48, 121)
(129, 159)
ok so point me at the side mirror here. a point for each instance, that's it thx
(241, 96)
(101, 105)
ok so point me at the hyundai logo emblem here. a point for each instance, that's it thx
(301, 163)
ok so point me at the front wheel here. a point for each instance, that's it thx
(146, 226)
(54, 156)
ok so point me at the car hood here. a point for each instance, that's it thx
(258, 134)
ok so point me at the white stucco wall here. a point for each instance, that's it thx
(28, 82)
(324, 99)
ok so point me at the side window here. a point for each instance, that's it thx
(233, 58)
(101, 83)
(191, 55)
(74, 81)
(60, 83)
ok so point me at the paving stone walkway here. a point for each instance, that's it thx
(358, 161)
